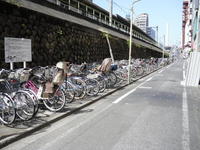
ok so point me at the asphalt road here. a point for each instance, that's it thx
(156, 113)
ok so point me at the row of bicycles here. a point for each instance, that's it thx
(23, 91)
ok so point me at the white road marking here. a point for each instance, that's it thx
(145, 87)
(56, 139)
(141, 79)
(184, 75)
(185, 117)
(184, 71)
(149, 79)
(185, 122)
(160, 71)
(122, 97)
(131, 91)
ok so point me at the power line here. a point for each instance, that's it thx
(123, 9)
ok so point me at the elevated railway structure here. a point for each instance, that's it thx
(72, 30)
(88, 14)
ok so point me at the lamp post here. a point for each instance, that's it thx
(130, 42)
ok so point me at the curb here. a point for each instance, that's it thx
(5, 142)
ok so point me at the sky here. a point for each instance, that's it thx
(161, 13)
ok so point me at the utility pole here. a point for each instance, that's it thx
(130, 42)
(157, 33)
(130, 45)
(163, 45)
(167, 35)
(110, 12)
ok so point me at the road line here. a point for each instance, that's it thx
(125, 95)
(160, 71)
(141, 79)
(184, 75)
(145, 87)
(149, 79)
(68, 131)
(184, 71)
(185, 122)
(131, 91)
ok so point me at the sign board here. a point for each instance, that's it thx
(17, 50)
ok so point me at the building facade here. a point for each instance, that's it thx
(151, 32)
(187, 25)
(142, 21)
(195, 25)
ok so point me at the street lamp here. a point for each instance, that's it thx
(130, 42)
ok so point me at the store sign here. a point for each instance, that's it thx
(17, 50)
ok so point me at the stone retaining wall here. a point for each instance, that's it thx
(54, 39)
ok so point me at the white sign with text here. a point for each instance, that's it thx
(17, 50)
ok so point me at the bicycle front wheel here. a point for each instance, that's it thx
(7, 109)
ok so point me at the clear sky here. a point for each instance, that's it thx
(161, 13)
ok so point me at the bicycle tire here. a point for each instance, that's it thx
(24, 104)
(7, 108)
(69, 91)
(54, 104)
(111, 79)
(92, 87)
(102, 84)
(79, 87)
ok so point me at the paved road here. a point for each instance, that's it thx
(156, 113)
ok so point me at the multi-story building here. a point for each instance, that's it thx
(187, 25)
(151, 32)
(142, 21)
(195, 25)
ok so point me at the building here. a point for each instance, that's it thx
(151, 32)
(187, 25)
(142, 21)
(195, 25)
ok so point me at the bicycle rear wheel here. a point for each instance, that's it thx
(79, 87)
(25, 107)
(111, 79)
(102, 84)
(92, 87)
(35, 100)
(56, 102)
(7, 109)
(69, 91)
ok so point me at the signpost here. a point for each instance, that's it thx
(17, 50)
